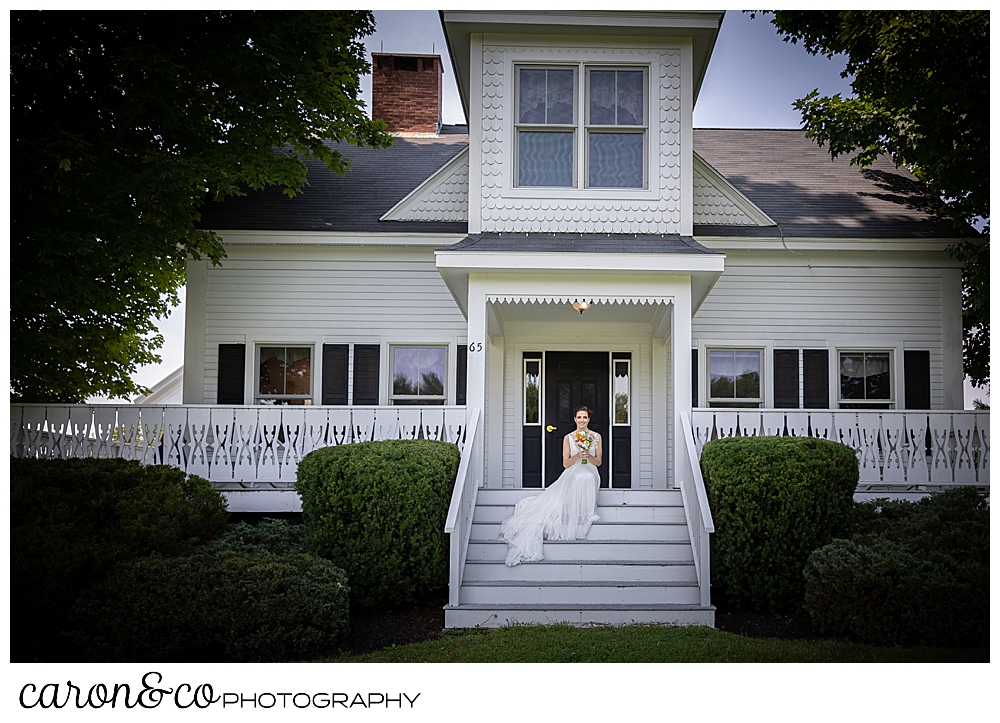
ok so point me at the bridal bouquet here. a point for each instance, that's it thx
(585, 441)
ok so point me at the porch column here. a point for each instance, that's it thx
(476, 380)
(681, 359)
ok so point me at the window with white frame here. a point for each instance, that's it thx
(734, 378)
(616, 127)
(549, 125)
(546, 126)
(284, 375)
(866, 380)
(418, 374)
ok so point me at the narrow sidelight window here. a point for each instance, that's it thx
(622, 391)
(532, 381)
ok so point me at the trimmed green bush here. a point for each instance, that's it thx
(73, 520)
(913, 572)
(212, 608)
(377, 510)
(278, 537)
(774, 500)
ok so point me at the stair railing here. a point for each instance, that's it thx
(696, 509)
(463, 502)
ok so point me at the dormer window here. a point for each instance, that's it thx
(546, 126)
(616, 128)
(550, 130)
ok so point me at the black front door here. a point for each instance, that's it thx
(574, 379)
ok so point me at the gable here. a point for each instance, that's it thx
(717, 201)
(442, 197)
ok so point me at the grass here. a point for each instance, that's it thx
(646, 644)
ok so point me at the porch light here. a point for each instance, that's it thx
(581, 306)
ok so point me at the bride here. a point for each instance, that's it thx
(565, 510)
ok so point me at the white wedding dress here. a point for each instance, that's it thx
(564, 511)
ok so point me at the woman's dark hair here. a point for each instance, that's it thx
(576, 411)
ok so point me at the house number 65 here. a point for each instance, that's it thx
(475, 346)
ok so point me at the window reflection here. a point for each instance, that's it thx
(864, 376)
(621, 392)
(418, 372)
(734, 374)
(532, 369)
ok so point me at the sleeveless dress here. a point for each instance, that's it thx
(564, 511)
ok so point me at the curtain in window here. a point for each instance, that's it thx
(615, 160)
(545, 159)
(864, 376)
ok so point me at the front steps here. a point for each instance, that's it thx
(635, 566)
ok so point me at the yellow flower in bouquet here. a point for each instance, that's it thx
(585, 441)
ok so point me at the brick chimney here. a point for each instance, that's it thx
(406, 92)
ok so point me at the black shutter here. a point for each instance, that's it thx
(694, 377)
(917, 378)
(335, 373)
(462, 374)
(816, 378)
(786, 378)
(366, 359)
(232, 373)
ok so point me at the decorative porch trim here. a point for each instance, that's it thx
(567, 299)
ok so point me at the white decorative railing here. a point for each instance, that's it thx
(234, 447)
(905, 448)
(469, 479)
(696, 509)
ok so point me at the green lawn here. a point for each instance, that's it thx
(646, 644)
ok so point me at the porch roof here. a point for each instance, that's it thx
(595, 243)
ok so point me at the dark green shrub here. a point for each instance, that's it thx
(72, 520)
(913, 572)
(209, 608)
(278, 537)
(378, 510)
(774, 500)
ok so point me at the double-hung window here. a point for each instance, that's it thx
(418, 374)
(866, 380)
(284, 375)
(734, 378)
(609, 132)
(616, 127)
(546, 126)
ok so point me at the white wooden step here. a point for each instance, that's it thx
(581, 571)
(494, 616)
(603, 531)
(634, 550)
(619, 592)
(608, 513)
(605, 498)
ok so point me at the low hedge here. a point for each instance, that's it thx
(378, 510)
(214, 608)
(912, 572)
(73, 520)
(774, 500)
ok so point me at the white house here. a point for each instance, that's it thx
(578, 243)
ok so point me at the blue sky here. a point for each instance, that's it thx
(751, 82)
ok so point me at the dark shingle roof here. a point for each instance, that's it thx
(582, 242)
(787, 175)
(378, 180)
(795, 182)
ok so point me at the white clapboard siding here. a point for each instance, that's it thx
(794, 306)
(317, 294)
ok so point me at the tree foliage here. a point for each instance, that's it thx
(922, 97)
(123, 124)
